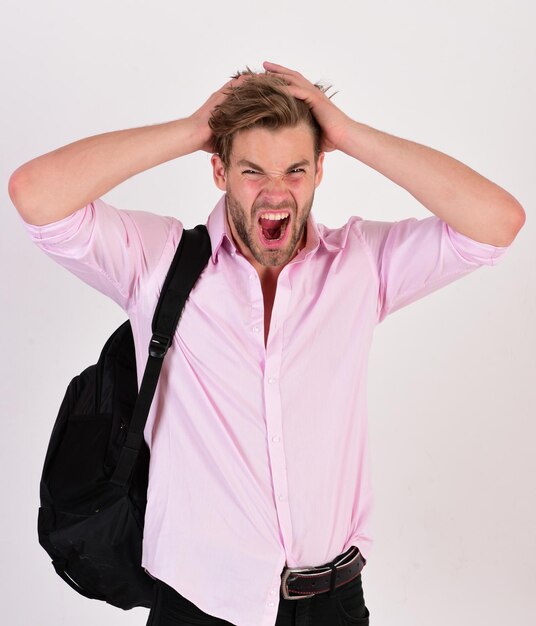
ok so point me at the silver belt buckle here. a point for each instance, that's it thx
(284, 583)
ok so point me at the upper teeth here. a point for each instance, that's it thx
(274, 216)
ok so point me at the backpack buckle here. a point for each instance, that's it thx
(158, 346)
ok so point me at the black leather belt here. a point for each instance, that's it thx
(307, 582)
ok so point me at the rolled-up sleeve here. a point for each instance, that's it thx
(113, 250)
(415, 257)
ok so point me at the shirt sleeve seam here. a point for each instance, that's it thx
(113, 282)
(490, 254)
(152, 276)
(430, 286)
(373, 266)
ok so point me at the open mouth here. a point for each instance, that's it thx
(273, 227)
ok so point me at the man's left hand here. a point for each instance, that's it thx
(333, 122)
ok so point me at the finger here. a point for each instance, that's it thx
(287, 78)
(283, 72)
(290, 76)
(234, 82)
(274, 67)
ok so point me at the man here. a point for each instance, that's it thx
(258, 435)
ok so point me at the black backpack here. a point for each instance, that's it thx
(93, 487)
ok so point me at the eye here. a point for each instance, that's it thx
(295, 172)
(251, 173)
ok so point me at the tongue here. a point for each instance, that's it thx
(269, 224)
(271, 228)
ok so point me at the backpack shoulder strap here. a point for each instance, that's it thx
(191, 257)
(189, 261)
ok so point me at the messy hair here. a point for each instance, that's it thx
(264, 101)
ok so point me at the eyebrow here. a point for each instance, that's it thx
(254, 166)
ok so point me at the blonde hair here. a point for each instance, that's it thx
(262, 100)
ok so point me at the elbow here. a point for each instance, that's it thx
(20, 187)
(516, 221)
(522, 216)
(508, 220)
(519, 216)
(15, 184)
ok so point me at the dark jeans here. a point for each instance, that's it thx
(346, 606)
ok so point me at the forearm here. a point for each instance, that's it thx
(54, 185)
(468, 202)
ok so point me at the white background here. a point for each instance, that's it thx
(452, 401)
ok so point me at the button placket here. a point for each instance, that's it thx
(256, 303)
(273, 408)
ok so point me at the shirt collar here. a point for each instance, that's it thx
(220, 234)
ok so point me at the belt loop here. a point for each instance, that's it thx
(332, 579)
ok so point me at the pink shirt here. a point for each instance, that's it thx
(259, 456)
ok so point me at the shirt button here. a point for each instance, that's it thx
(281, 497)
(256, 329)
(271, 381)
(252, 277)
(276, 439)
(271, 604)
(272, 592)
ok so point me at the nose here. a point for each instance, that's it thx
(275, 189)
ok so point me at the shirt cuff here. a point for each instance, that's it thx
(475, 251)
(60, 230)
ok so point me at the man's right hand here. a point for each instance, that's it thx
(54, 185)
(201, 117)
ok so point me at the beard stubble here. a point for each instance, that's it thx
(248, 230)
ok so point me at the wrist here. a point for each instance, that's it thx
(350, 136)
(200, 133)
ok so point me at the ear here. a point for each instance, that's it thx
(218, 171)
(319, 169)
